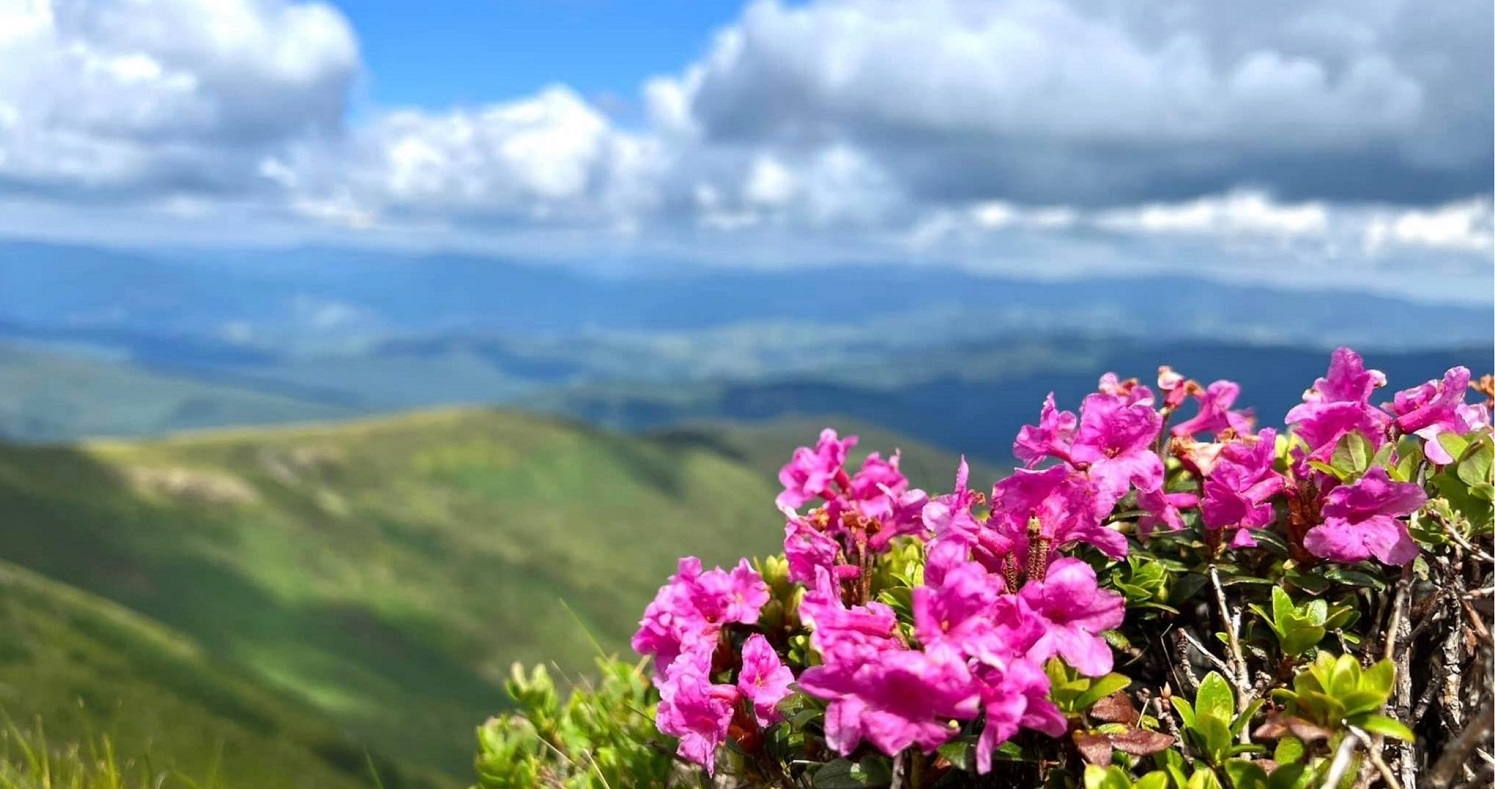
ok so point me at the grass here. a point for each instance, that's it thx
(110, 682)
(385, 574)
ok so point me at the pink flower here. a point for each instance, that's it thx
(956, 532)
(1161, 509)
(1214, 412)
(1174, 386)
(696, 711)
(764, 679)
(904, 517)
(693, 606)
(1347, 381)
(956, 612)
(1361, 520)
(1322, 427)
(1015, 695)
(1128, 392)
(1240, 487)
(1050, 438)
(1061, 501)
(1434, 408)
(1074, 611)
(1338, 404)
(1113, 445)
(806, 548)
(900, 698)
(811, 472)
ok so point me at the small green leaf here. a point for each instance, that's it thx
(1100, 689)
(1455, 444)
(1204, 779)
(1157, 779)
(1352, 454)
(1380, 678)
(1244, 774)
(1302, 639)
(1289, 749)
(1215, 698)
(1185, 711)
(1388, 727)
(1282, 606)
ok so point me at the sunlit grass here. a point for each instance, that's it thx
(29, 761)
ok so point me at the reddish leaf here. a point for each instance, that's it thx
(1140, 742)
(1116, 708)
(1094, 748)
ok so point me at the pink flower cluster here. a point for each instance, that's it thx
(1362, 519)
(979, 641)
(860, 516)
(1003, 587)
(684, 629)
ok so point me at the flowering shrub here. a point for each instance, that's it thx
(1327, 582)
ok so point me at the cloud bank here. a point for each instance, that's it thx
(1324, 142)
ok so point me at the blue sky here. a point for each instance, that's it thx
(1340, 143)
(443, 53)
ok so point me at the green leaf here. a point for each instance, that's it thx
(1204, 779)
(1282, 606)
(1215, 698)
(1475, 469)
(1388, 727)
(841, 774)
(1157, 779)
(1302, 639)
(1106, 778)
(1100, 689)
(1214, 735)
(1289, 749)
(1455, 444)
(1352, 454)
(1380, 678)
(1244, 774)
(1185, 711)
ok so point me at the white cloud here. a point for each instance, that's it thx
(1043, 100)
(1458, 227)
(1307, 138)
(551, 157)
(163, 95)
(1240, 213)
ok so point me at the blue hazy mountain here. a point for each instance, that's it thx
(237, 337)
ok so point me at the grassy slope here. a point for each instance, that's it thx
(389, 572)
(84, 665)
(48, 396)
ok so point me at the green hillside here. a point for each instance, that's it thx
(83, 665)
(388, 572)
(48, 396)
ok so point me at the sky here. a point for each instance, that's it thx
(1339, 143)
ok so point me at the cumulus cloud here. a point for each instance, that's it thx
(1104, 103)
(1288, 139)
(549, 158)
(160, 96)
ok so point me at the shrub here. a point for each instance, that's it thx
(1206, 604)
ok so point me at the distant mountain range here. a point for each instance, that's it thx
(105, 342)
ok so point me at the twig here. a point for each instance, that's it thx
(1404, 755)
(1453, 675)
(1218, 663)
(1184, 670)
(1242, 678)
(1464, 543)
(1459, 751)
(1373, 750)
(1341, 763)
